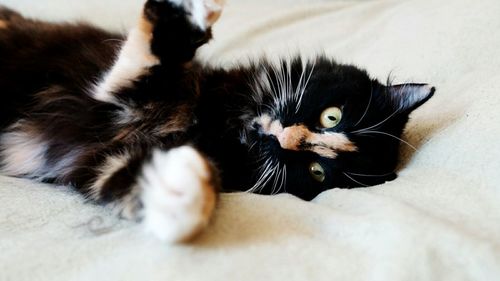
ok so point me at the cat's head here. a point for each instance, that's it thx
(319, 125)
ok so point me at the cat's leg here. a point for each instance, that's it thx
(172, 192)
(168, 34)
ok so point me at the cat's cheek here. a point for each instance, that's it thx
(177, 195)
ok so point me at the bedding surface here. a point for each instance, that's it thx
(440, 220)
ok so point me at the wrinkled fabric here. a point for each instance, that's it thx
(440, 220)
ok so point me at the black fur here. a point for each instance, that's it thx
(47, 70)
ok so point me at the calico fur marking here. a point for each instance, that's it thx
(124, 143)
(202, 13)
(134, 60)
(299, 137)
(326, 144)
(3, 24)
(137, 57)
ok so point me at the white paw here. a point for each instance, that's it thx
(203, 13)
(177, 195)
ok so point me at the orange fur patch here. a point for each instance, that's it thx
(210, 187)
(291, 137)
(146, 27)
(327, 144)
(300, 138)
(3, 24)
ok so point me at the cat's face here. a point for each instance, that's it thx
(320, 125)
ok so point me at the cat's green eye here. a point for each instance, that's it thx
(317, 172)
(330, 117)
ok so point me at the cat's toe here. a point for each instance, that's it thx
(178, 195)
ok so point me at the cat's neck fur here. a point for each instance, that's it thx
(220, 121)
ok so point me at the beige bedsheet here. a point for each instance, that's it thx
(440, 220)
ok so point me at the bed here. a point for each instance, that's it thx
(440, 220)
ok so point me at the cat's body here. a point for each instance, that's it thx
(142, 126)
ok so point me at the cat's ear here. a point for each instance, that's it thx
(408, 97)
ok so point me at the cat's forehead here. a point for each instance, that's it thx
(317, 76)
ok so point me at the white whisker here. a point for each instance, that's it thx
(366, 175)
(284, 178)
(299, 84)
(303, 90)
(376, 125)
(367, 107)
(263, 178)
(389, 135)
(277, 175)
(358, 182)
(252, 146)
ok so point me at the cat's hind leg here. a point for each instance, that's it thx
(172, 192)
(179, 194)
(168, 34)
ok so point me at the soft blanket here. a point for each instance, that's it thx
(440, 220)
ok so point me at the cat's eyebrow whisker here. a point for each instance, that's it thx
(354, 180)
(285, 70)
(368, 106)
(303, 90)
(376, 125)
(289, 84)
(389, 135)
(278, 73)
(299, 84)
(270, 81)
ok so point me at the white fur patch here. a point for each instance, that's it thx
(134, 60)
(203, 13)
(174, 194)
(22, 154)
(135, 57)
(407, 96)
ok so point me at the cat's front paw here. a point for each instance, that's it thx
(201, 13)
(178, 194)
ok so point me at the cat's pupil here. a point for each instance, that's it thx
(332, 118)
(318, 173)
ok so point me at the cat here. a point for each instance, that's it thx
(139, 124)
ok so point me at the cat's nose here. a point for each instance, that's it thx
(291, 137)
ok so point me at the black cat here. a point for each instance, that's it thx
(146, 128)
